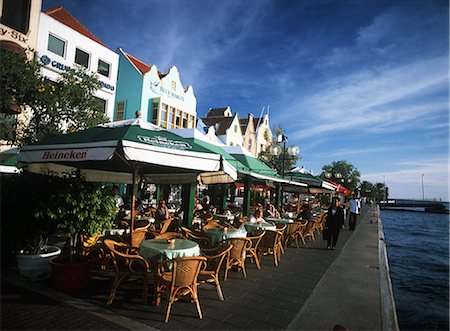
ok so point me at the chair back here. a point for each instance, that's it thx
(165, 225)
(281, 227)
(212, 225)
(201, 240)
(170, 235)
(270, 239)
(256, 237)
(216, 257)
(138, 236)
(240, 245)
(185, 270)
(123, 260)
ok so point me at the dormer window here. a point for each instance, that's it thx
(173, 85)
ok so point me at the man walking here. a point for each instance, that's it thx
(353, 207)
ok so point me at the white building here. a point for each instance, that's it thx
(222, 123)
(64, 42)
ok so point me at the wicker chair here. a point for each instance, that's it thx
(281, 228)
(215, 257)
(294, 231)
(200, 239)
(181, 280)
(237, 255)
(170, 235)
(138, 236)
(127, 266)
(270, 245)
(252, 252)
(213, 225)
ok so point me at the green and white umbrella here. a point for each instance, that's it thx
(113, 152)
(8, 162)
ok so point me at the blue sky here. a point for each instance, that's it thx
(360, 80)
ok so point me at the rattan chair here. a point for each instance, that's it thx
(281, 228)
(127, 266)
(138, 236)
(237, 255)
(294, 231)
(181, 280)
(252, 252)
(270, 245)
(215, 257)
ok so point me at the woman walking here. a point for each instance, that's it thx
(334, 222)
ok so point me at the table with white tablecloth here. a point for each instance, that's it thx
(216, 235)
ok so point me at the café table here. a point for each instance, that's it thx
(152, 249)
(216, 235)
(252, 226)
(224, 217)
(279, 220)
(142, 218)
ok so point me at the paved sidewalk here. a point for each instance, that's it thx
(269, 299)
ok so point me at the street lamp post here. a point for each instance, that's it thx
(423, 193)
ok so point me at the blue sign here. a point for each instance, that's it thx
(48, 61)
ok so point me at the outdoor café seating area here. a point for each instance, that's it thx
(169, 262)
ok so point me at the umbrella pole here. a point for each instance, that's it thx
(133, 205)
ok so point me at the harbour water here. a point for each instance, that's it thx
(418, 252)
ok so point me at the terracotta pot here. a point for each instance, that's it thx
(70, 277)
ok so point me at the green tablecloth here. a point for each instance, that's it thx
(216, 235)
(154, 248)
(259, 226)
(279, 220)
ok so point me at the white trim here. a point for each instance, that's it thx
(106, 143)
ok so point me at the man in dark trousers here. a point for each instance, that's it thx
(334, 222)
(353, 208)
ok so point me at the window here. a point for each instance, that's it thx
(154, 110)
(235, 128)
(185, 120)
(231, 144)
(16, 14)
(56, 45)
(120, 110)
(102, 105)
(191, 121)
(173, 85)
(178, 119)
(163, 120)
(82, 58)
(103, 68)
(249, 144)
(171, 116)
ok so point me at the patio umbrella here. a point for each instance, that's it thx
(8, 162)
(119, 152)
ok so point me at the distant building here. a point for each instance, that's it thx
(64, 42)
(263, 133)
(159, 97)
(224, 125)
(19, 22)
(249, 134)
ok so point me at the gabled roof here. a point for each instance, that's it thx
(221, 123)
(63, 16)
(216, 112)
(141, 65)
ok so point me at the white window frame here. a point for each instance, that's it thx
(62, 39)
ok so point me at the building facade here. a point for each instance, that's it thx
(263, 134)
(249, 134)
(64, 42)
(19, 23)
(225, 125)
(160, 98)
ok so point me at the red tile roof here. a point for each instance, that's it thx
(62, 15)
(142, 66)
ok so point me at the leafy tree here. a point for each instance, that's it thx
(342, 172)
(49, 108)
(276, 161)
(374, 191)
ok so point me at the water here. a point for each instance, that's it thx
(418, 252)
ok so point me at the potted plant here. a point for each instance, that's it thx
(34, 257)
(81, 209)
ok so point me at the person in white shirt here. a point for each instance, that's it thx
(117, 197)
(256, 217)
(353, 206)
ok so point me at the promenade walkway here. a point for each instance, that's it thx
(312, 289)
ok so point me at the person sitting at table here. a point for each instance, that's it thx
(162, 213)
(198, 207)
(306, 213)
(139, 207)
(256, 217)
(268, 212)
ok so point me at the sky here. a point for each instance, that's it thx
(364, 81)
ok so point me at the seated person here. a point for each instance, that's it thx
(198, 207)
(255, 218)
(268, 212)
(162, 212)
(139, 207)
(306, 213)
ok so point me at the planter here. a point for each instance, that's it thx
(37, 267)
(70, 277)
